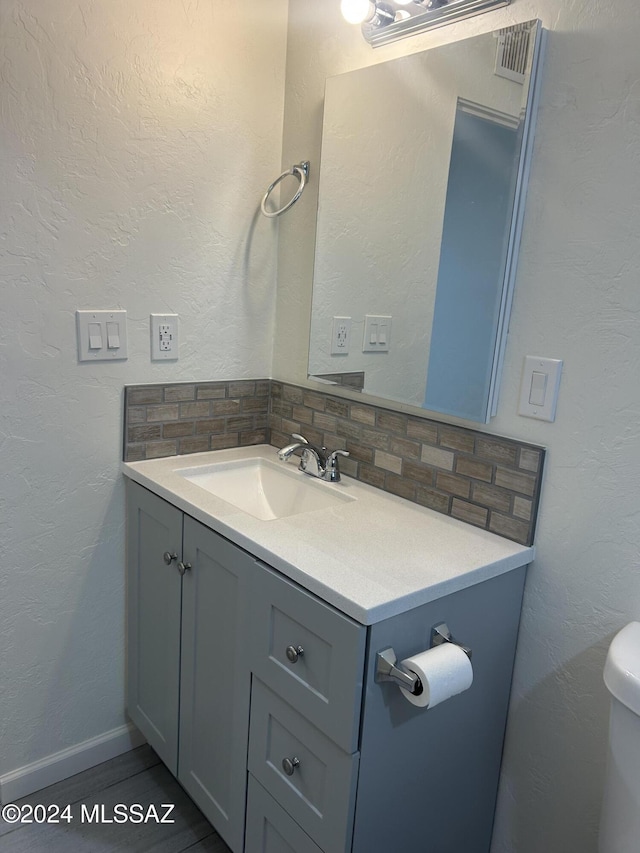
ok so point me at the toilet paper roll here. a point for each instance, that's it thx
(444, 671)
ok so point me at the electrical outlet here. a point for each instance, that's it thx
(164, 337)
(341, 336)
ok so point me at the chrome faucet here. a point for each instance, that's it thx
(314, 461)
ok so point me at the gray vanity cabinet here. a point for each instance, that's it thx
(188, 688)
(254, 691)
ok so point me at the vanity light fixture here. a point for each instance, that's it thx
(384, 21)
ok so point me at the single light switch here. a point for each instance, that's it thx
(382, 334)
(373, 333)
(113, 336)
(95, 336)
(539, 387)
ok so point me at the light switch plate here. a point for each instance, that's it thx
(101, 335)
(377, 333)
(539, 387)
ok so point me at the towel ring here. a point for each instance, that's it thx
(302, 171)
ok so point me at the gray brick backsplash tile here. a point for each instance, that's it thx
(529, 459)
(497, 450)
(375, 438)
(491, 496)
(388, 462)
(211, 425)
(242, 388)
(422, 474)
(222, 442)
(179, 429)
(453, 484)
(391, 423)
(337, 407)
(504, 525)
(434, 500)
(475, 468)
(141, 396)
(177, 393)
(195, 410)
(168, 412)
(372, 476)
(211, 391)
(516, 481)
(194, 444)
(437, 457)
(456, 439)
(363, 414)
(225, 407)
(476, 515)
(401, 487)
(522, 508)
(481, 479)
(144, 433)
(157, 449)
(327, 423)
(404, 447)
(137, 414)
(314, 401)
(422, 431)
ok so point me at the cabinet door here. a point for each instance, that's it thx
(215, 685)
(153, 620)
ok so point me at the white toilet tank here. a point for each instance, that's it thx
(620, 821)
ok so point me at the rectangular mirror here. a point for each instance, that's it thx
(421, 195)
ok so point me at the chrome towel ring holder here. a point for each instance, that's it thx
(301, 171)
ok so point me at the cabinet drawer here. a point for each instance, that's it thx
(325, 681)
(269, 827)
(319, 790)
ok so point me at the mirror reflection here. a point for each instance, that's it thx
(420, 205)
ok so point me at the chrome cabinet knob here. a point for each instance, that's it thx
(294, 652)
(183, 567)
(169, 557)
(289, 765)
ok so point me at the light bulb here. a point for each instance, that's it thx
(357, 11)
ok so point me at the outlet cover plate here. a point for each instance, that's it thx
(164, 337)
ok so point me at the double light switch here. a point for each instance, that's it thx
(102, 335)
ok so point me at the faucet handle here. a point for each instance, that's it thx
(332, 469)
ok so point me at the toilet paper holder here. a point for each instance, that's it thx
(386, 669)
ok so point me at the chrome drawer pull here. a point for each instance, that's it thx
(183, 567)
(289, 765)
(168, 557)
(294, 652)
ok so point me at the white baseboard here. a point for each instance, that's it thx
(61, 765)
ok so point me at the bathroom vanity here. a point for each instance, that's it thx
(252, 654)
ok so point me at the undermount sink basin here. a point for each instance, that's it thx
(264, 489)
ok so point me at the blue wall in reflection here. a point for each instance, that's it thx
(480, 192)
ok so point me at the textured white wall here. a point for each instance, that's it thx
(577, 298)
(137, 139)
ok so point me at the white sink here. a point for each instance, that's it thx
(265, 489)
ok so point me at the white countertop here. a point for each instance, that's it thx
(372, 558)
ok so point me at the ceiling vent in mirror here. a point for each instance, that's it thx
(512, 53)
(384, 21)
